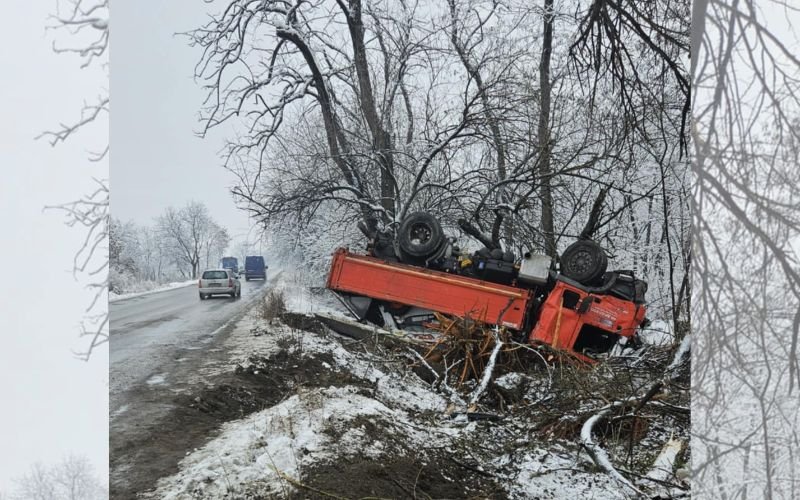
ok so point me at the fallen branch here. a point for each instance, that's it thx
(470, 468)
(487, 372)
(678, 409)
(546, 364)
(662, 483)
(670, 374)
(598, 454)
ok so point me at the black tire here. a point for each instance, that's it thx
(202, 296)
(584, 261)
(420, 235)
(246, 278)
(484, 252)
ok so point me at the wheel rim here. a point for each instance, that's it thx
(582, 262)
(420, 234)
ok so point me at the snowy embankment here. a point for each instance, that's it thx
(379, 416)
(304, 294)
(658, 333)
(113, 297)
(351, 418)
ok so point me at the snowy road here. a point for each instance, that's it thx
(163, 345)
(147, 331)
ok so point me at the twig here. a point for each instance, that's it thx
(659, 481)
(454, 397)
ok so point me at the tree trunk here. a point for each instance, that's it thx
(545, 169)
(381, 139)
(491, 119)
(337, 143)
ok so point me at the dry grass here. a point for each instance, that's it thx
(273, 306)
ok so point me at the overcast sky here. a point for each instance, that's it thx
(157, 161)
(52, 404)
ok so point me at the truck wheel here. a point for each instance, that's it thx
(420, 235)
(584, 261)
(202, 296)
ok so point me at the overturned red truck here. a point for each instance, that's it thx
(580, 308)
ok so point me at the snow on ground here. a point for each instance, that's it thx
(665, 462)
(378, 410)
(113, 297)
(304, 299)
(657, 333)
(555, 473)
(252, 454)
(406, 392)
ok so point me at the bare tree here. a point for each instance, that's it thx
(467, 123)
(193, 234)
(72, 478)
(308, 65)
(630, 43)
(86, 21)
(216, 241)
(36, 484)
(747, 281)
(543, 130)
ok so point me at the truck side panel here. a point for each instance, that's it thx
(446, 293)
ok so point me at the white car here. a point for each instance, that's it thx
(219, 282)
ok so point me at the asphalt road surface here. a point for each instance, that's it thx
(146, 331)
(163, 345)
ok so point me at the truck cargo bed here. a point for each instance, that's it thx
(461, 296)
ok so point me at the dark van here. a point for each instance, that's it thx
(254, 267)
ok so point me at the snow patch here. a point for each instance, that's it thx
(113, 297)
(665, 462)
(657, 333)
(407, 393)
(252, 456)
(510, 381)
(157, 379)
(556, 473)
